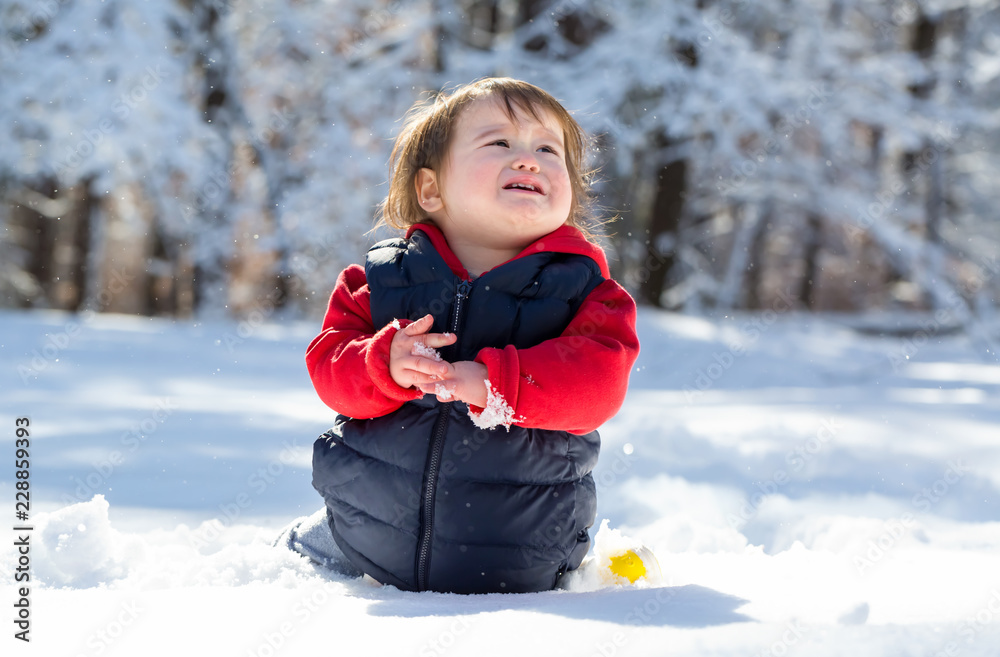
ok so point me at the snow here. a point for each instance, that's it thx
(442, 392)
(807, 490)
(422, 350)
(596, 571)
(496, 413)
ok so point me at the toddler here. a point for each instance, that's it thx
(472, 360)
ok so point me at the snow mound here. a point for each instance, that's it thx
(77, 547)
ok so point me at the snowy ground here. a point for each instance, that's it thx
(807, 490)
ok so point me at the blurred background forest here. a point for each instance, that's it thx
(207, 158)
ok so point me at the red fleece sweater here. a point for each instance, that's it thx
(574, 383)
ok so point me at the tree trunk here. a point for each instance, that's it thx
(758, 256)
(73, 271)
(664, 227)
(440, 34)
(213, 248)
(40, 245)
(750, 226)
(50, 226)
(813, 246)
(923, 168)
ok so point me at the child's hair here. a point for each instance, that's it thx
(427, 132)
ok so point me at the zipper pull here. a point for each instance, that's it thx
(464, 287)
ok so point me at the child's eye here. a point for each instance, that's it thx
(501, 142)
(548, 149)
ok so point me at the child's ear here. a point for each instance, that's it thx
(428, 190)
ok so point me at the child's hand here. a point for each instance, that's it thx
(465, 382)
(411, 364)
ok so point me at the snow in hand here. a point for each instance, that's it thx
(806, 490)
(497, 412)
(420, 349)
(442, 392)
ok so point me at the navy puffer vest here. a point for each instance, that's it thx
(423, 499)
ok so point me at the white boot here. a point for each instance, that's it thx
(310, 536)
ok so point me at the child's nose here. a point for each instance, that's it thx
(526, 161)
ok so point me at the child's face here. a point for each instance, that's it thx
(504, 184)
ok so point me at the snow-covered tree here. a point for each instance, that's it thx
(231, 154)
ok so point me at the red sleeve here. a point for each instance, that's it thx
(577, 381)
(349, 360)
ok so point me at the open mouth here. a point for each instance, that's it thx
(528, 187)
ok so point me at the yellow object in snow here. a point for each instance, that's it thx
(633, 564)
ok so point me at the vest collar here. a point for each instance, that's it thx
(565, 239)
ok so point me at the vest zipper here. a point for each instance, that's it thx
(461, 294)
(434, 453)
